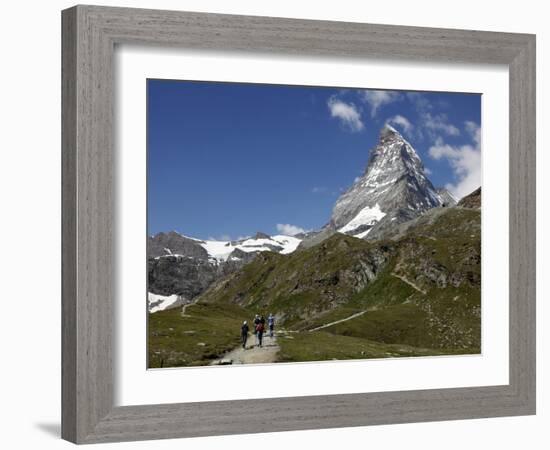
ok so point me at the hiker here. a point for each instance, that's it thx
(271, 324)
(244, 333)
(256, 322)
(260, 332)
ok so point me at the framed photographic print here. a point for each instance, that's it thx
(296, 213)
(377, 262)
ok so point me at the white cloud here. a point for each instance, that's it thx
(289, 230)
(401, 122)
(347, 113)
(377, 99)
(420, 101)
(473, 130)
(465, 161)
(439, 123)
(431, 125)
(427, 171)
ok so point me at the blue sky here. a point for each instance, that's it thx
(228, 159)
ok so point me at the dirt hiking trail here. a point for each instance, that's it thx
(252, 354)
(326, 325)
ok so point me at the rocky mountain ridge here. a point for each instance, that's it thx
(180, 268)
(176, 244)
(472, 200)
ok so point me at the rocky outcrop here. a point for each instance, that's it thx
(242, 256)
(260, 235)
(173, 243)
(185, 276)
(472, 200)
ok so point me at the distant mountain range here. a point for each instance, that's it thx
(393, 190)
(175, 244)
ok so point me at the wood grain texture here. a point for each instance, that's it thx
(68, 225)
(522, 224)
(89, 36)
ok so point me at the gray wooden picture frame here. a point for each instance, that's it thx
(90, 34)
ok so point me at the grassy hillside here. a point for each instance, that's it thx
(198, 337)
(322, 346)
(304, 283)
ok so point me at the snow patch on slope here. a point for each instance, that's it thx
(158, 302)
(289, 243)
(367, 216)
(220, 250)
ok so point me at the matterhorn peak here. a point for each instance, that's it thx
(394, 188)
(387, 129)
(389, 133)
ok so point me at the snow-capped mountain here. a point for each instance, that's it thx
(175, 244)
(393, 189)
(447, 198)
(180, 267)
(232, 250)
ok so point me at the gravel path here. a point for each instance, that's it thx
(252, 354)
(410, 283)
(326, 325)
